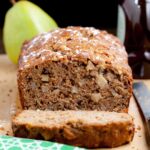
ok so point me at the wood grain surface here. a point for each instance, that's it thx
(8, 106)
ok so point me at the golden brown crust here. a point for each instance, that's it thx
(75, 43)
(73, 127)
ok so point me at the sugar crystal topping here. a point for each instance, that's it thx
(74, 42)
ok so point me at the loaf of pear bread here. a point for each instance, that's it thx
(90, 129)
(74, 68)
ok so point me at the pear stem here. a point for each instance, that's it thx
(13, 1)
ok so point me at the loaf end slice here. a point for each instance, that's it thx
(91, 129)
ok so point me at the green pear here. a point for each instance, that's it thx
(23, 21)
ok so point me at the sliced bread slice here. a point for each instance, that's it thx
(91, 129)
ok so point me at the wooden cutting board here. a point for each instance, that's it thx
(8, 96)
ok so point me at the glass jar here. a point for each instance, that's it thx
(134, 31)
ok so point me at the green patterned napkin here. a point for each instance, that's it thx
(13, 143)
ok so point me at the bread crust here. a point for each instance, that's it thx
(75, 43)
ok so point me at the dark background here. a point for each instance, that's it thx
(101, 14)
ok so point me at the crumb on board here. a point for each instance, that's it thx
(138, 127)
(10, 90)
(3, 101)
(139, 135)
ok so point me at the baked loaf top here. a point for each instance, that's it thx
(76, 43)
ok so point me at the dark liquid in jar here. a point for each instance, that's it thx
(137, 35)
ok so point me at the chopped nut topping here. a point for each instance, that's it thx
(74, 89)
(47, 135)
(45, 88)
(33, 85)
(96, 97)
(45, 77)
(56, 91)
(114, 93)
(94, 73)
(82, 82)
(90, 66)
(101, 81)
